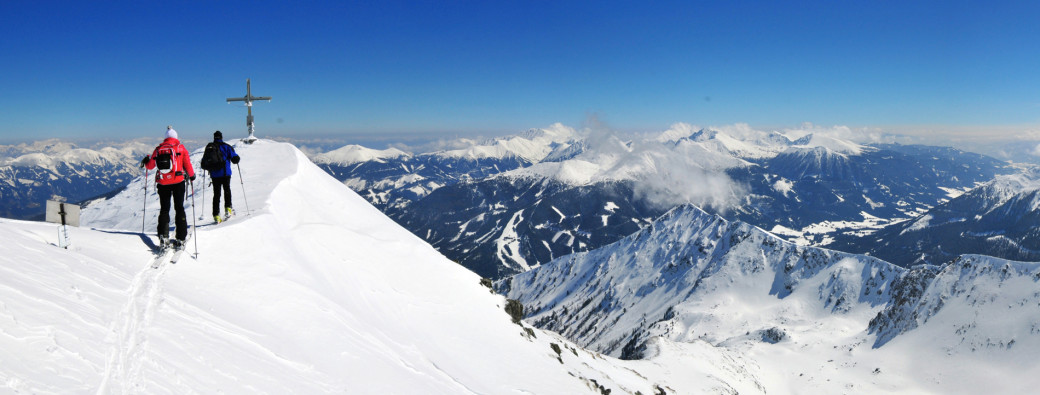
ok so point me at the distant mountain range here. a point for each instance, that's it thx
(501, 206)
(812, 195)
(392, 179)
(30, 174)
(501, 210)
(1000, 219)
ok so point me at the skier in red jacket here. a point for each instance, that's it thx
(174, 164)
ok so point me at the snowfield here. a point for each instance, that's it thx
(311, 291)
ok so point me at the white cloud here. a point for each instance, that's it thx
(1036, 150)
(662, 176)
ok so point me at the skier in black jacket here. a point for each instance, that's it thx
(222, 178)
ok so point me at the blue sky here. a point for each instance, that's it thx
(126, 69)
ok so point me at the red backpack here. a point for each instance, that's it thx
(167, 164)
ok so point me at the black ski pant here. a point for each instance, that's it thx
(176, 192)
(221, 183)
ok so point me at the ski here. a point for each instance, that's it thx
(160, 255)
(179, 250)
(176, 255)
(170, 251)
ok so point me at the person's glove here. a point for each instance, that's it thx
(235, 159)
(192, 178)
(144, 162)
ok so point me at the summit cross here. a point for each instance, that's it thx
(248, 99)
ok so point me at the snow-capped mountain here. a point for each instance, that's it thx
(351, 154)
(531, 146)
(802, 319)
(394, 183)
(31, 173)
(813, 195)
(809, 190)
(310, 290)
(392, 179)
(1000, 218)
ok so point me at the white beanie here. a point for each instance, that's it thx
(170, 132)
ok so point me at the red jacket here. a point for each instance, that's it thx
(182, 155)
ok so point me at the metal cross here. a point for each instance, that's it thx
(248, 99)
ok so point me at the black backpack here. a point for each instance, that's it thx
(212, 158)
(164, 158)
(168, 163)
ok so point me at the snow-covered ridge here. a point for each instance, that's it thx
(393, 178)
(804, 313)
(351, 154)
(1004, 187)
(72, 157)
(308, 290)
(31, 173)
(531, 146)
(608, 158)
(799, 161)
(830, 143)
(77, 156)
(48, 146)
(49, 153)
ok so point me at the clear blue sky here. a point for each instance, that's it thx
(111, 68)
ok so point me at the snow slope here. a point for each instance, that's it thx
(311, 291)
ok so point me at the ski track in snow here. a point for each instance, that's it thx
(508, 244)
(126, 355)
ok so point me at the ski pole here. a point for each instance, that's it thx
(203, 189)
(243, 187)
(144, 209)
(194, 227)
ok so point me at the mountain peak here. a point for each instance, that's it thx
(351, 154)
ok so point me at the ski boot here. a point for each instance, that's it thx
(164, 242)
(228, 212)
(217, 219)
